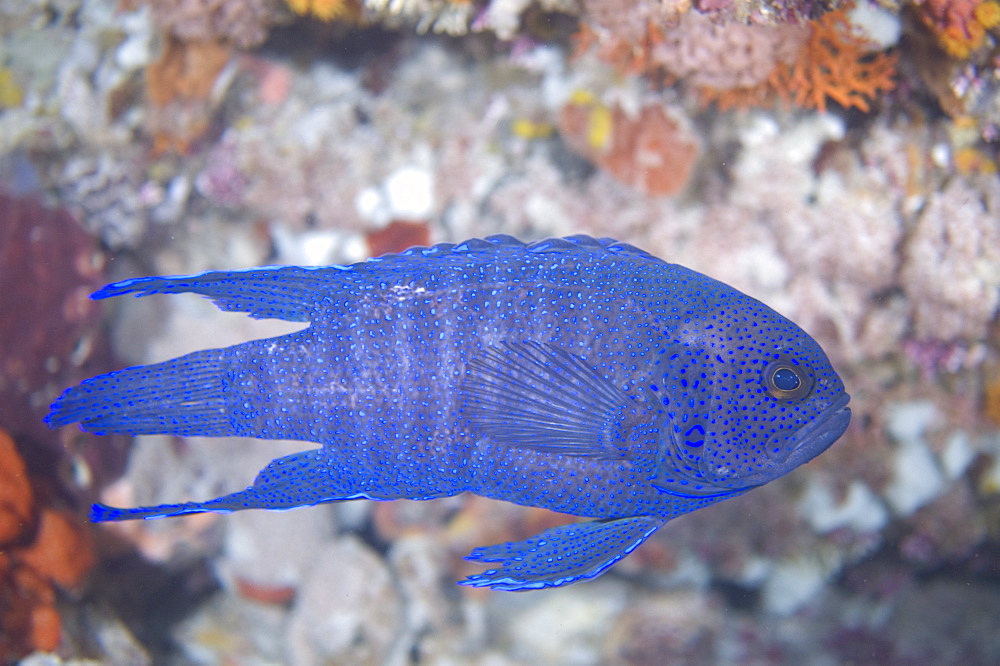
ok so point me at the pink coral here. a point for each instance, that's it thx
(717, 55)
(707, 52)
(242, 23)
(628, 24)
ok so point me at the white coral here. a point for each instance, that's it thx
(951, 269)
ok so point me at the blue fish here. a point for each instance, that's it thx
(583, 376)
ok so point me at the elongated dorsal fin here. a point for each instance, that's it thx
(292, 293)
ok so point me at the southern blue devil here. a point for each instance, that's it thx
(580, 375)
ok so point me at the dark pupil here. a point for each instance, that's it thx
(786, 380)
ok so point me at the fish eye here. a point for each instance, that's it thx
(786, 381)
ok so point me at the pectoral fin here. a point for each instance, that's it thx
(540, 397)
(561, 555)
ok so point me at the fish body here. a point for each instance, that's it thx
(583, 376)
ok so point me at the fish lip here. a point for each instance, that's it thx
(810, 441)
(818, 436)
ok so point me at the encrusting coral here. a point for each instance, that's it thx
(16, 498)
(960, 25)
(702, 51)
(199, 38)
(324, 10)
(179, 87)
(653, 150)
(41, 547)
(951, 262)
(48, 266)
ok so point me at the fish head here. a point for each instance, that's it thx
(743, 401)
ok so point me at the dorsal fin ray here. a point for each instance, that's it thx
(292, 293)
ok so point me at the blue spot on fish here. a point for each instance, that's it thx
(495, 367)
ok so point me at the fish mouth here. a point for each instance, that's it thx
(817, 436)
(808, 442)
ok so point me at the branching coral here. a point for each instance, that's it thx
(833, 64)
(736, 66)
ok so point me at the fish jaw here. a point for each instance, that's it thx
(673, 478)
(816, 437)
(809, 441)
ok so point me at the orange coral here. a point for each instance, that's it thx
(180, 88)
(39, 548)
(397, 236)
(324, 10)
(652, 152)
(16, 497)
(834, 64)
(61, 551)
(991, 396)
(960, 25)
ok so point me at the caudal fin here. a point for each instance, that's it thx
(183, 396)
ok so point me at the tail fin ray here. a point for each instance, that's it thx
(183, 396)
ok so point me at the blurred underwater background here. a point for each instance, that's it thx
(836, 160)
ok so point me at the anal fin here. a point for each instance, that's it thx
(561, 555)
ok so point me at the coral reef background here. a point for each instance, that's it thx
(837, 160)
